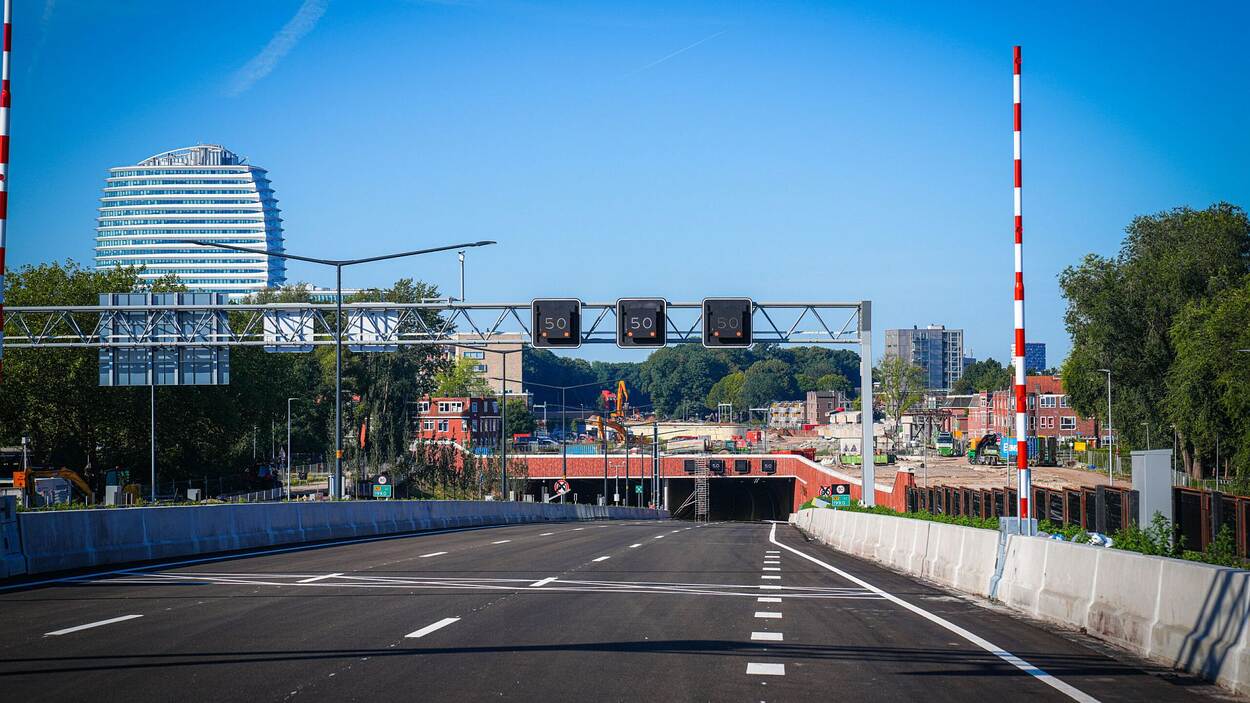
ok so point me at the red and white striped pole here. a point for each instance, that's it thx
(4, 161)
(1024, 482)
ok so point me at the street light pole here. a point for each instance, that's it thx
(336, 490)
(1110, 433)
(1147, 424)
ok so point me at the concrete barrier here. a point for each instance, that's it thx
(1191, 616)
(74, 539)
(12, 563)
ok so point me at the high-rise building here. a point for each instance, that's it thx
(939, 352)
(152, 211)
(1034, 356)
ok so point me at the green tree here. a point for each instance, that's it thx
(767, 381)
(521, 419)
(987, 375)
(681, 375)
(1121, 311)
(462, 380)
(728, 390)
(902, 385)
(1208, 384)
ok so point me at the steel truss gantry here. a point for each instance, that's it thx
(427, 322)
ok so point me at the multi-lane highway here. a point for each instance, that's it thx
(648, 611)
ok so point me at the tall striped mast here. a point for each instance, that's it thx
(4, 161)
(1024, 482)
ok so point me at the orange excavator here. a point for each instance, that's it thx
(618, 414)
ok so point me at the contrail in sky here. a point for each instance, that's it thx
(682, 50)
(280, 45)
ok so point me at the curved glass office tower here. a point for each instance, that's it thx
(150, 212)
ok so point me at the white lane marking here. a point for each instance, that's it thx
(1067, 689)
(767, 599)
(431, 554)
(502, 541)
(767, 615)
(766, 669)
(771, 560)
(544, 582)
(90, 625)
(766, 587)
(766, 636)
(432, 627)
(635, 546)
(601, 558)
(674, 532)
(318, 578)
(546, 534)
(771, 577)
(578, 529)
(659, 537)
(772, 551)
(772, 568)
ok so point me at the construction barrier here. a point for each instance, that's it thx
(1187, 615)
(61, 540)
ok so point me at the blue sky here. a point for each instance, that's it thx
(781, 150)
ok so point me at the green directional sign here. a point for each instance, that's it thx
(840, 501)
(638, 488)
(382, 490)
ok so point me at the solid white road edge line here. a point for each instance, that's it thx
(90, 625)
(544, 582)
(766, 669)
(318, 578)
(432, 627)
(1067, 689)
(766, 636)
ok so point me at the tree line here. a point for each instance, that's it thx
(1169, 317)
(690, 380)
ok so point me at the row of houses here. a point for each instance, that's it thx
(1049, 413)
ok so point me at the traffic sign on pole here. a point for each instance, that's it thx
(562, 487)
(840, 495)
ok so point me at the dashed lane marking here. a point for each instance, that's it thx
(314, 579)
(772, 568)
(766, 669)
(601, 558)
(635, 546)
(767, 615)
(431, 554)
(502, 541)
(544, 582)
(771, 577)
(546, 534)
(766, 636)
(1065, 688)
(88, 626)
(767, 599)
(432, 627)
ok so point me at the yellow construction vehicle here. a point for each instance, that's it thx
(25, 481)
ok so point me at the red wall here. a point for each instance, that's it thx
(809, 476)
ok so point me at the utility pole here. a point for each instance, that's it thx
(288, 447)
(655, 463)
(1110, 433)
(153, 437)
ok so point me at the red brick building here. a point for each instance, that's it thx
(1049, 413)
(467, 421)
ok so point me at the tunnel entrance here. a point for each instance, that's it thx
(742, 499)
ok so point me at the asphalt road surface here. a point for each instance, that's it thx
(643, 611)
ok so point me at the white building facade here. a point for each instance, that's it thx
(151, 213)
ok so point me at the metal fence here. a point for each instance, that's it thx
(1102, 509)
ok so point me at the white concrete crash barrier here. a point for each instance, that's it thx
(12, 563)
(1191, 616)
(73, 539)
